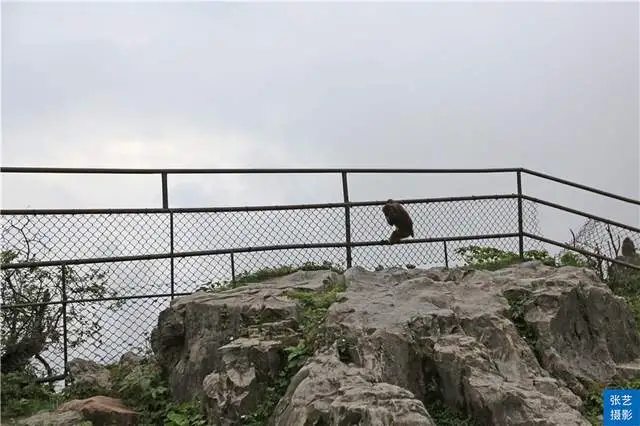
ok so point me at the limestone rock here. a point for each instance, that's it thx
(422, 332)
(508, 348)
(248, 366)
(89, 373)
(192, 330)
(583, 331)
(329, 392)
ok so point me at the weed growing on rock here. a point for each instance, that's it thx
(443, 415)
(245, 277)
(593, 405)
(344, 347)
(516, 315)
(634, 305)
(296, 356)
(141, 386)
(145, 388)
(316, 305)
(627, 284)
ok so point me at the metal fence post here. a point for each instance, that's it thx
(520, 219)
(171, 251)
(347, 217)
(165, 205)
(165, 191)
(65, 349)
(233, 269)
(446, 255)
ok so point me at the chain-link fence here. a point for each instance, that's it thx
(90, 284)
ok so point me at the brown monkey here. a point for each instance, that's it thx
(628, 248)
(397, 216)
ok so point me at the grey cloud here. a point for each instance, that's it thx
(550, 86)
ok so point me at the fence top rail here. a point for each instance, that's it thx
(349, 170)
(93, 170)
(580, 186)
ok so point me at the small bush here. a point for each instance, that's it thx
(443, 415)
(316, 305)
(145, 388)
(296, 357)
(22, 396)
(492, 259)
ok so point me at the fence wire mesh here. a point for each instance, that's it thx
(604, 239)
(101, 330)
(69, 236)
(226, 230)
(599, 237)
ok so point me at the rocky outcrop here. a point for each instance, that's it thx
(512, 347)
(191, 335)
(329, 391)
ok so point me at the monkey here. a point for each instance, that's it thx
(397, 216)
(628, 248)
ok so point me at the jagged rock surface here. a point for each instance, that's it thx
(190, 334)
(327, 391)
(511, 347)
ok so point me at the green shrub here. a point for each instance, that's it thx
(22, 396)
(145, 388)
(492, 259)
(444, 415)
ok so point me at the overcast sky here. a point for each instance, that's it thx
(549, 86)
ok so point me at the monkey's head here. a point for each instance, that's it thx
(628, 248)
